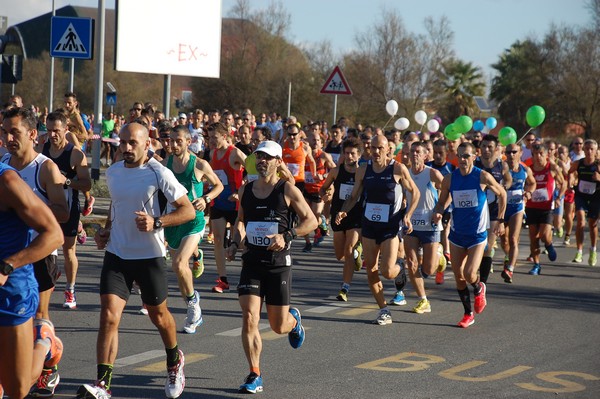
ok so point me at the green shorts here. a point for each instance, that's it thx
(175, 234)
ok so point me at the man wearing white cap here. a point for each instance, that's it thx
(266, 208)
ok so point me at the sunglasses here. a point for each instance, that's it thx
(263, 155)
(465, 156)
(292, 134)
(511, 152)
(138, 109)
(578, 143)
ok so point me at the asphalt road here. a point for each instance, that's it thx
(538, 337)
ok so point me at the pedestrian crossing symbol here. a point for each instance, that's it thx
(71, 37)
(336, 83)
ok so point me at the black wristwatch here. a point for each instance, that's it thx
(157, 223)
(6, 268)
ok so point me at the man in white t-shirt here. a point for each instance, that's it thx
(135, 251)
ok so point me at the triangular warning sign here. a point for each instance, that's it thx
(336, 83)
(70, 42)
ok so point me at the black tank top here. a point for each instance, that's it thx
(63, 161)
(343, 184)
(262, 217)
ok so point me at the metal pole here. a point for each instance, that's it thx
(71, 74)
(167, 96)
(51, 94)
(289, 100)
(334, 109)
(96, 143)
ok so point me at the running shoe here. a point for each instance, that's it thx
(253, 384)
(210, 238)
(297, 335)
(422, 307)
(81, 234)
(357, 254)
(447, 256)
(480, 300)
(96, 390)
(46, 384)
(88, 207)
(342, 296)
(70, 300)
(551, 252)
(530, 258)
(592, 260)
(467, 320)
(567, 240)
(439, 275)
(44, 329)
(194, 315)
(384, 317)
(175, 378)
(323, 226)
(507, 275)
(560, 232)
(143, 310)
(307, 247)
(318, 237)
(578, 257)
(198, 267)
(536, 270)
(398, 299)
(221, 286)
(439, 278)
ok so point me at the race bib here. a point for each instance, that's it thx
(308, 177)
(294, 168)
(345, 191)
(377, 212)
(222, 176)
(251, 177)
(465, 198)
(421, 220)
(587, 187)
(514, 197)
(257, 232)
(540, 195)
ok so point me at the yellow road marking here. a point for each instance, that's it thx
(161, 366)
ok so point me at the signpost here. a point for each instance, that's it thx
(336, 84)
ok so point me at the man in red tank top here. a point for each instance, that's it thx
(540, 204)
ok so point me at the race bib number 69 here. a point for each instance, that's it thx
(377, 212)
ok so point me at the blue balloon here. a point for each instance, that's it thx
(478, 126)
(491, 122)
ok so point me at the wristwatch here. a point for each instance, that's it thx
(6, 268)
(67, 183)
(207, 199)
(157, 223)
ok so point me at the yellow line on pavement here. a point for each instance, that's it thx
(358, 311)
(162, 366)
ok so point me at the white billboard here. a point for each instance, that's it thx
(174, 37)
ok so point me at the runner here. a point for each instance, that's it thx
(523, 185)
(135, 250)
(266, 214)
(183, 240)
(381, 181)
(21, 211)
(346, 235)
(539, 208)
(587, 199)
(468, 235)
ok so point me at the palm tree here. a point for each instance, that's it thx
(460, 82)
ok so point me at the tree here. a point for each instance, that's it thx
(460, 82)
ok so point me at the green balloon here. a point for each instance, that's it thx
(507, 135)
(451, 133)
(535, 116)
(463, 123)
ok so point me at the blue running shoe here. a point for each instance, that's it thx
(551, 252)
(253, 384)
(296, 336)
(398, 299)
(536, 270)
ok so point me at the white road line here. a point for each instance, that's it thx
(326, 308)
(139, 358)
(236, 332)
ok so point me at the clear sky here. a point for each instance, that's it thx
(482, 28)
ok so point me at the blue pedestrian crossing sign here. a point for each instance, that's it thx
(72, 38)
(111, 98)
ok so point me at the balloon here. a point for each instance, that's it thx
(402, 123)
(491, 122)
(485, 130)
(391, 107)
(451, 133)
(507, 135)
(535, 116)
(433, 126)
(478, 125)
(421, 117)
(463, 123)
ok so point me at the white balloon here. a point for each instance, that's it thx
(421, 117)
(485, 129)
(433, 126)
(391, 107)
(402, 123)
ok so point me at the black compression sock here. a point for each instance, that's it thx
(465, 298)
(104, 373)
(172, 356)
(484, 268)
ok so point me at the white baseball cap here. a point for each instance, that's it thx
(269, 147)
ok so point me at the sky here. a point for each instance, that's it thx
(483, 29)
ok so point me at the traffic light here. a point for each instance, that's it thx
(12, 68)
(178, 103)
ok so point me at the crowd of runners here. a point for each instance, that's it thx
(401, 205)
